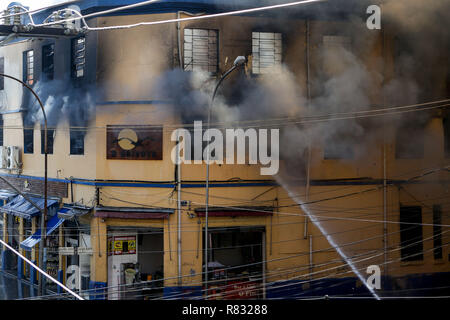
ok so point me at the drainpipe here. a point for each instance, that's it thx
(178, 175)
(305, 231)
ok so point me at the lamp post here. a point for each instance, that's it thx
(240, 61)
(44, 217)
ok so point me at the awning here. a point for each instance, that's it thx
(69, 212)
(235, 212)
(132, 213)
(31, 241)
(21, 207)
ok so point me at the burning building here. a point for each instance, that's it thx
(363, 147)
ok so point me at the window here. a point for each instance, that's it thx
(76, 141)
(48, 53)
(446, 125)
(266, 51)
(28, 140)
(411, 233)
(28, 67)
(437, 232)
(50, 139)
(409, 143)
(1, 130)
(2, 70)
(200, 50)
(78, 57)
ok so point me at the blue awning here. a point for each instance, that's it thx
(6, 195)
(69, 212)
(31, 241)
(21, 207)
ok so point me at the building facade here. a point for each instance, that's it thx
(126, 222)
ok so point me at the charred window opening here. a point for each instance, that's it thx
(2, 70)
(48, 65)
(409, 143)
(411, 233)
(201, 50)
(78, 57)
(28, 140)
(266, 51)
(437, 232)
(76, 141)
(50, 140)
(28, 67)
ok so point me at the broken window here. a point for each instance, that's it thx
(411, 239)
(28, 67)
(50, 139)
(409, 143)
(266, 51)
(76, 141)
(28, 140)
(78, 57)
(48, 66)
(200, 50)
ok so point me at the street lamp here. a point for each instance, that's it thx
(240, 61)
(44, 217)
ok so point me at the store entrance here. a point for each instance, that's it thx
(135, 263)
(235, 264)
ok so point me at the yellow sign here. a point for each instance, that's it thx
(118, 245)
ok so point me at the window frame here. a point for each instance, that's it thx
(28, 64)
(256, 43)
(213, 62)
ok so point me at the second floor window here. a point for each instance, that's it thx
(266, 51)
(48, 52)
(50, 139)
(76, 141)
(28, 140)
(28, 67)
(200, 50)
(411, 238)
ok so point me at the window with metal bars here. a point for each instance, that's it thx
(266, 51)
(28, 67)
(78, 57)
(201, 50)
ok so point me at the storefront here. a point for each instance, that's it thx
(236, 263)
(135, 245)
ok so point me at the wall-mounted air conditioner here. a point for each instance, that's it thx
(3, 157)
(13, 157)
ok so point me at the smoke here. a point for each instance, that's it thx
(62, 102)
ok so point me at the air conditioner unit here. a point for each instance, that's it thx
(3, 157)
(13, 160)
